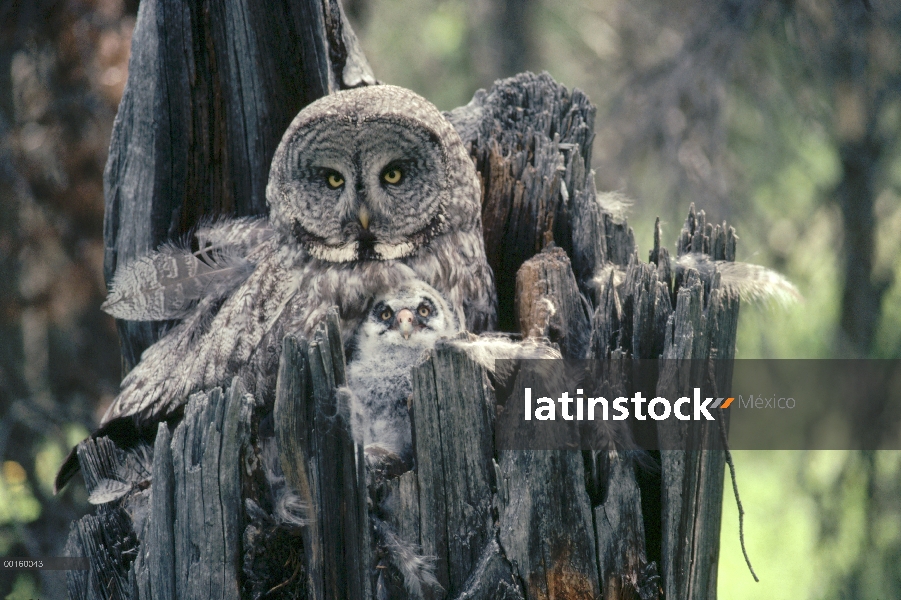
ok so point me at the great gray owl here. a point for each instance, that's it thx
(401, 325)
(368, 187)
(390, 341)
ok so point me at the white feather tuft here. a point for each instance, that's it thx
(487, 348)
(394, 251)
(335, 254)
(290, 510)
(615, 203)
(107, 490)
(608, 273)
(752, 283)
(417, 570)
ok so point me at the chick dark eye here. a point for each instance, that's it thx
(392, 176)
(424, 311)
(386, 314)
(334, 180)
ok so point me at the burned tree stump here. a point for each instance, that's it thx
(192, 513)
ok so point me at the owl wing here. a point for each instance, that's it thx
(160, 382)
(214, 342)
(480, 306)
(168, 283)
(243, 234)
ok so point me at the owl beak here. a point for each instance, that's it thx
(363, 215)
(405, 322)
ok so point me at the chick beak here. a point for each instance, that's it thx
(405, 322)
(364, 217)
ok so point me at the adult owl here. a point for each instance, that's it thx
(368, 187)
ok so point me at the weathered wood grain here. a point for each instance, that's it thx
(700, 345)
(531, 139)
(492, 578)
(292, 414)
(550, 305)
(159, 576)
(452, 413)
(206, 448)
(546, 527)
(184, 531)
(323, 464)
(107, 538)
(624, 569)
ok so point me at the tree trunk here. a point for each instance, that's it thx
(193, 517)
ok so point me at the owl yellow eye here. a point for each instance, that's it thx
(424, 311)
(334, 180)
(386, 314)
(392, 176)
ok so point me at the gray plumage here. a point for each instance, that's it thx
(368, 188)
(168, 283)
(391, 340)
(401, 326)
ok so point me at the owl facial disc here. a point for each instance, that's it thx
(360, 186)
(412, 316)
(366, 246)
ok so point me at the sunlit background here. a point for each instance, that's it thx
(783, 118)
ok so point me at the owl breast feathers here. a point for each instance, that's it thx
(368, 188)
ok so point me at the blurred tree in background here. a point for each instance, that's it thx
(62, 70)
(784, 117)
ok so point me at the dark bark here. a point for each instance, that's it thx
(549, 304)
(322, 463)
(180, 536)
(531, 140)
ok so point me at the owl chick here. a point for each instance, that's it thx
(390, 341)
(368, 188)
